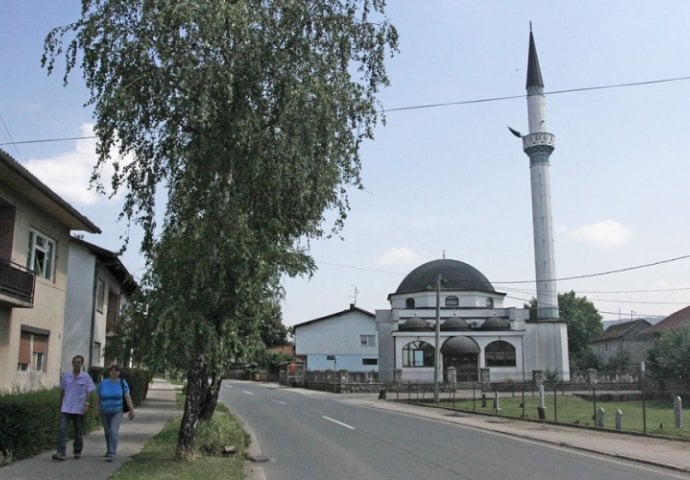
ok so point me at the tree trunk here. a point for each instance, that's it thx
(211, 399)
(197, 387)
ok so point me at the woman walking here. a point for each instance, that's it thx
(113, 395)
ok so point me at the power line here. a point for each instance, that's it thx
(554, 92)
(438, 105)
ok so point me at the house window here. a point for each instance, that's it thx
(96, 353)
(452, 301)
(499, 354)
(33, 352)
(418, 354)
(367, 340)
(41, 255)
(409, 303)
(100, 296)
(370, 361)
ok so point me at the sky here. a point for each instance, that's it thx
(449, 179)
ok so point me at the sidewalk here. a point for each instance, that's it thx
(650, 450)
(158, 407)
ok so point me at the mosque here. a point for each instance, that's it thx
(449, 308)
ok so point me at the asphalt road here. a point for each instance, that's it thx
(307, 435)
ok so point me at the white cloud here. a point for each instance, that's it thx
(68, 173)
(604, 234)
(401, 256)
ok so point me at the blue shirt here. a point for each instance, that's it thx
(110, 394)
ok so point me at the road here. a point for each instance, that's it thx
(307, 435)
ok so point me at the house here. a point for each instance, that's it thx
(346, 340)
(676, 320)
(35, 226)
(463, 318)
(99, 286)
(623, 337)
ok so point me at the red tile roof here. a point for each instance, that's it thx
(674, 321)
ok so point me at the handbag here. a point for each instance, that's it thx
(125, 407)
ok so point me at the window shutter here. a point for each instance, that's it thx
(40, 344)
(25, 348)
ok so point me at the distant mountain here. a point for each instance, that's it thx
(652, 320)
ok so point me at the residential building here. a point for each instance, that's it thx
(99, 286)
(346, 340)
(623, 337)
(35, 226)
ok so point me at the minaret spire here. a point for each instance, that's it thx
(538, 145)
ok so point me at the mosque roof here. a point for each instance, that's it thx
(456, 275)
(459, 346)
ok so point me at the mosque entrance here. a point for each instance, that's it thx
(462, 353)
(466, 366)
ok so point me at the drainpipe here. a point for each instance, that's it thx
(94, 291)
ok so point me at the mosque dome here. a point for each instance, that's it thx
(457, 276)
(459, 346)
(495, 323)
(454, 324)
(414, 324)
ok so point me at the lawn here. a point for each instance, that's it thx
(573, 410)
(157, 460)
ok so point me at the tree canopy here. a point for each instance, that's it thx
(669, 359)
(250, 115)
(584, 323)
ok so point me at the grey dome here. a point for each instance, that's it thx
(414, 324)
(495, 323)
(454, 324)
(459, 346)
(456, 275)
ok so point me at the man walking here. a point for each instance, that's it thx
(75, 387)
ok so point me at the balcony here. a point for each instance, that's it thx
(16, 285)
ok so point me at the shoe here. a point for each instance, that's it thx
(110, 459)
(77, 455)
(58, 456)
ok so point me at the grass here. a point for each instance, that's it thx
(577, 411)
(157, 460)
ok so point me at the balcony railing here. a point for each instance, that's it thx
(16, 285)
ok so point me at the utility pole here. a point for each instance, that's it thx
(437, 335)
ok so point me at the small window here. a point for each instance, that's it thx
(370, 361)
(418, 354)
(489, 302)
(409, 303)
(452, 301)
(367, 340)
(41, 255)
(100, 296)
(500, 354)
(33, 351)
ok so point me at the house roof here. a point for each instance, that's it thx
(674, 321)
(112, 262)
(17, 177)
(352, 308)
(620, 329)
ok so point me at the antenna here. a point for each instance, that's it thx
(354, 296)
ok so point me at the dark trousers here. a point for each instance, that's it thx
(78, 421)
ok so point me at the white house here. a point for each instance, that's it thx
(98, 288)
(346, 340)
(477, 335)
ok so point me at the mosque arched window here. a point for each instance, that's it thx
(489, 302)
(418, 354)
(452, 301)
(409, 302)
(499, 354)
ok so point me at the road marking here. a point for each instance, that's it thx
(248, 393)
(339, 423)
(279, 401)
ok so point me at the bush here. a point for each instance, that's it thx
(137, 379)
(30, 422)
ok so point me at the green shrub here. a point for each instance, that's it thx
(30, 422)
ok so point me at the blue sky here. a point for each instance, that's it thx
(452, 179)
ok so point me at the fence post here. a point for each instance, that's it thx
(594, 400)
(644, 412)
(474, 397)
(555, 402)
(523, 400)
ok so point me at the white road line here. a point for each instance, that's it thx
(248, 393)
(279, 401)
(339, 423)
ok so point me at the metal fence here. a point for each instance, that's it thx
(627, 407)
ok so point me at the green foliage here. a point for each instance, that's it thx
(221, 431)
(618, 362)
(670, 357)
(30, 421)
(587, 360)
(584, 323)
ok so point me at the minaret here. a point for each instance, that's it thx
(538, 145)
